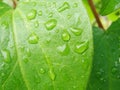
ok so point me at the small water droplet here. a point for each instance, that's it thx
(28, 52)
(114, 70)
(76, 31)
(65, 36)
(75, 5)
(42, 71)
(57, 31)
(36, 24)
(2, 74)
(37, 78)
(6, 56)
(33, 39)
(81, 47)
(64, 7)
(52, 75)
(99, 74)
(51, 24)
(50, 15)
(40, 13)
(32, 14)
(4, 25)
(25, 59)
(118, 76)
(48, 40)
(63, 49)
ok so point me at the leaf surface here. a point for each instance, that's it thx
(45, 45)
(105, 73)
(108, 6)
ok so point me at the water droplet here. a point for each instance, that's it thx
(64, 7)
(65, 36)
(52, 75)
(75, 5)
(42, 71)
(40, 13)
(51, 24)
(33, 39)
(37, 78)
(99, 74)
(76, 31)
(25, 59)
(118, 76)
(57, 31)
(5, 25)
(50, 15)
(2, 74)
(6, 56)
(28, 52)
(48, 40)
(114, 70)
(36, 24)
(32, 14)
(64, 49)
(81, 47)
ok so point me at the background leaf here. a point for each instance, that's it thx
(109, 6)
(45, 45)
(105, 73)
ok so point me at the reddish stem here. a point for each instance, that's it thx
(95, 14)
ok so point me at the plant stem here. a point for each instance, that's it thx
(14, 3)
(95, 14)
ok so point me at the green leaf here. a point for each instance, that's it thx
(105, 73)
(109, 6)
(4, 8)
(45, 45)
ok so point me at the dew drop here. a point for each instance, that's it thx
(33, 39)
(114, 70)
(50, 15)
(37, 78)
(32, 14)
(36, 24)
(25, 59)
(42, 71)
(76, 31)
(64, 49)
(40, 13)
(51, 24)
(81, 47)
(52, 75)
(65, 36)
(75, 5)
(28, 52)
(64, 7)
(6, 56)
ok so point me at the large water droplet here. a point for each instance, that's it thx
(6, 56)
(51, 24)
(63, 49)
(64, 7)
(81, 47)
(66, 36)
(76, 31)
(32, 14)
(52, 75)
(33, 39)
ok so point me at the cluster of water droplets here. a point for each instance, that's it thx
(50, 25)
